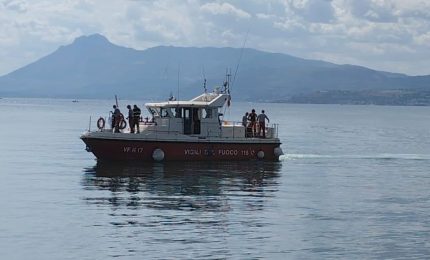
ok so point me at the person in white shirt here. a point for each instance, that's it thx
(245, 120)
(261, 118)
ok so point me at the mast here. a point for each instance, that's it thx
(204, 86)
(226, 83)
(204, 79)
(227, 86)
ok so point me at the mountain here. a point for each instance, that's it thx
(93, 67)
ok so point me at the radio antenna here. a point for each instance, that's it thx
(204, 79)
(179, 68)
(240, 58)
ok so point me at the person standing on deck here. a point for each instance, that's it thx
(112, 123)
(130, 119)
(253, 119)
(136, 118)
(262, 122)
(245, 119)
(246, 125)
(116, 118)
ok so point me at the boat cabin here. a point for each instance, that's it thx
(199, 116)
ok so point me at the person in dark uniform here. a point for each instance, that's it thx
(113, 117)
(116, 118)
(130, 119)
(253, 122)
(246, 125)
(136, 118)
(112, 122)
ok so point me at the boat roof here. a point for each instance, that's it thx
(178, 104)
(214, 99)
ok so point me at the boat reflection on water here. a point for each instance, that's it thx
(182, 185)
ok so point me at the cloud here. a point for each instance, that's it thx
(423, 39)
(15, 5)
(373, 33)
(224, 9)
(320, 11)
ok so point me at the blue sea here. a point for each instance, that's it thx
(354, 183)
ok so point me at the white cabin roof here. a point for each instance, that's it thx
(213, 99)
(178, 104)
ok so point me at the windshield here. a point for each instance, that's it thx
(155, 111)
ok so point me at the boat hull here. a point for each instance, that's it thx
(145, 150)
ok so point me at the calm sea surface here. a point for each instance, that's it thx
(354, 183)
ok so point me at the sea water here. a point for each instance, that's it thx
(354, 183)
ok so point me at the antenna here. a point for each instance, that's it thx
(227, 88)
(240, 57)
(227, 80)
(179, 67)
(204, 86)
(204, 79)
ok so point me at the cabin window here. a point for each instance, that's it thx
(187, 114)
(154, 111)
(196, 113)
(207, 113)
(165, 112)
(178, 112)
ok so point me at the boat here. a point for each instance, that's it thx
(191, 130)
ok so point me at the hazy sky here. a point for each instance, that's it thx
(391, 35)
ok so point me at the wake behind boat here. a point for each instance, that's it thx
(185, 131)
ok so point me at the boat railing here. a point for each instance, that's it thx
(232, 129)
(271, 129)
(231, 123)
(144, 125)
(275, 130)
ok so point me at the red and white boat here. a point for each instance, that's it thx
(185, 131)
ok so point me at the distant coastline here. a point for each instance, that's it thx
(331, 97)
(93, 67)
(363, 97)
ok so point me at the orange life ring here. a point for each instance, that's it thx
(101, 123)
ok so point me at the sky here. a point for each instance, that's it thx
(388, 35)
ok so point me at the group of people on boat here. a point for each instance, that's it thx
(133, 119)
(254, 124)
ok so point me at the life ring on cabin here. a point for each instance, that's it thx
(122, 123)
(101, 123)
